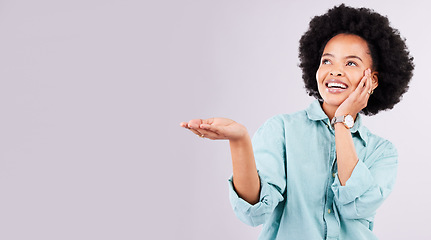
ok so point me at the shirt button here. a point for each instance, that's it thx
(329, 210)
(333, 174)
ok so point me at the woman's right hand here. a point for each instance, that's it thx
(216, 128)
(245, 178)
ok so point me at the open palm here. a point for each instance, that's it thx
(216, 128)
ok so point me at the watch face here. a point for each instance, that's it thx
(348, 120)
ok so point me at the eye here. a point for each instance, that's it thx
(326, 61)
(351, 64)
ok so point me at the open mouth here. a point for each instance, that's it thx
(336, 85)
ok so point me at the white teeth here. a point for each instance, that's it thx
(340, 85)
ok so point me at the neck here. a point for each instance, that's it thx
(330, 110)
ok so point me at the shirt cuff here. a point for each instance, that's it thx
(256, 214)
(359, 182)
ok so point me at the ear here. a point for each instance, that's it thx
(375, 79)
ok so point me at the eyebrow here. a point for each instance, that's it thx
(350, 56)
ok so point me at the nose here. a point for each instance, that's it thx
(336, 73)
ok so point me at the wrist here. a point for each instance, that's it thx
(347, 120)
(242, 139)
(342, 113)
(339, 125)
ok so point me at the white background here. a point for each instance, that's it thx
(92, 94)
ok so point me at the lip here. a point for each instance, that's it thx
(335, 90)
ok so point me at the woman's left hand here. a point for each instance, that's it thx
(358, 99)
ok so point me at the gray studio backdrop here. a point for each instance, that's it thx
(92, 93)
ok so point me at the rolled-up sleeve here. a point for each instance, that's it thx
(269, 152)
(369, 184)
(256, 214)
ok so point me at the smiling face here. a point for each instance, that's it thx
(342, 66)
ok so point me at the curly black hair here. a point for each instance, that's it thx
(389, 53)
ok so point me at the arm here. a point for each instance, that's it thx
(246, 180)
(255, 194)
(346, 152)
(270, 155)
(370, 183)
(245, 176)
(360, 188)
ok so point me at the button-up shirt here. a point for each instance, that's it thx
(301, 196)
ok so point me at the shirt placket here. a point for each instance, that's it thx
(331, 219)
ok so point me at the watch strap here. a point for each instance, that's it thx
(338, 119)
(347, 120)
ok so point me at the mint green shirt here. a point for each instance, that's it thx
(301, 196)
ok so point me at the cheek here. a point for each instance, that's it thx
(356, 79)
(318, 75)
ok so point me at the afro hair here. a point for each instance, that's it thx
(389, 53)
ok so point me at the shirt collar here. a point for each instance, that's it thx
(316, 113)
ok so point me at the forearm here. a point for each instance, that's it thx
(245, 177)
(346, 153)
(368, 185)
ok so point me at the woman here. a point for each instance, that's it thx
(319, 173)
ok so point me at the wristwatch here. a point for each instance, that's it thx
(346, 119)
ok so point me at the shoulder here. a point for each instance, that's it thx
(278, 125)
(284, 119)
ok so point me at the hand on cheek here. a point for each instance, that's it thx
(358, 99)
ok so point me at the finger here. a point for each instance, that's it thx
(359, 89)
(365, 95)
(211, 128)
(209, 134)
(205, 134)
(184, 125)
(368, 85)
(195, 131)
(363, 84)
(195, 123)
(194, 126)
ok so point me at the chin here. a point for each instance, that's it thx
(334, 101)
